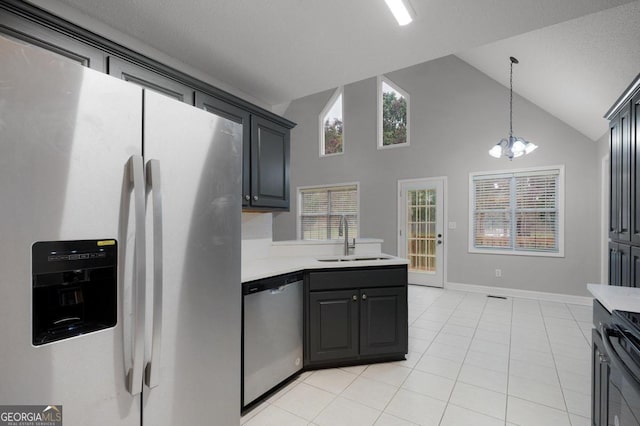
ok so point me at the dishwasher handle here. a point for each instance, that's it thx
(274, 285)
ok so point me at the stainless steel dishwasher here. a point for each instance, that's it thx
(272, 333)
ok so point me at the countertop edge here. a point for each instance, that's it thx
(270, 268)
(616, 298)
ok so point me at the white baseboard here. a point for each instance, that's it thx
(527, 294)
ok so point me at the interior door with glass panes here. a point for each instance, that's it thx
(420, 229)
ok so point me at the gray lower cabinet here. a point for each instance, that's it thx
(383, 320)
(600, 368)
(599, 381)
(363, 318)
(334, 325)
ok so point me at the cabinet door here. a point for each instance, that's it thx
(620, 264)
(226, 110)
(383, 321)
(620, 190)
(269, 164)
(635, 168)
(54, 41)
(614, 178)
(149, 80)
(634, 273)
(333, 325)
(614, 264)
(624, 255)
(599, 382)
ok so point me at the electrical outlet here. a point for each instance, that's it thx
(498, 273)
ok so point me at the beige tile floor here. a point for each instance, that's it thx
(472, 361)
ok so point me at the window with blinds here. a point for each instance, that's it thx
(321, 208)
(518, 212)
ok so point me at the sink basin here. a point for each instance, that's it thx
(354, 258)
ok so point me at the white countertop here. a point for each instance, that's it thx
(256, 269)
(616, 298)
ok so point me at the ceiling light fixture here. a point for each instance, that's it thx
(400, 11)
(513, 146)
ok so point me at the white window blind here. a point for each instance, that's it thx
(517, 211)
(321, 209)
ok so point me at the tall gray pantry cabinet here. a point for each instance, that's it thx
(624, 233)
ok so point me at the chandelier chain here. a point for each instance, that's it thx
(511, 100)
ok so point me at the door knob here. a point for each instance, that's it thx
(439, 241)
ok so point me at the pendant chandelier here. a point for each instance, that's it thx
(513, 146)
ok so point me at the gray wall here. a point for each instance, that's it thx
(457, 114)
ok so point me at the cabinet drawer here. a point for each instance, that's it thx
(358, 277)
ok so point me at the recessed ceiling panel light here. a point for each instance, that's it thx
(400, 11)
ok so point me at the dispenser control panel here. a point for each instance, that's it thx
(74, 288)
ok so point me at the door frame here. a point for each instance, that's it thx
(445, 223)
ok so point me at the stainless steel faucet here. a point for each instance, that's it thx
(345, 225)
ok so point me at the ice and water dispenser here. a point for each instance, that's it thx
(74, 288)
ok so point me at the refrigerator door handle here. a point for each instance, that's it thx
(137, 285)
(154, 186)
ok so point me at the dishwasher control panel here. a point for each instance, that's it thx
(270, 283)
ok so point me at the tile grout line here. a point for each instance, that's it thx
(475, 329)
(555, 365)
(412, 368)
(506, 404)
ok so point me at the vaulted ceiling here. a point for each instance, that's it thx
(576, 55)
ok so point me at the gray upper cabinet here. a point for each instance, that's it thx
(150, 80)
(43, 36)
(269, 164)
(265, 157)
(241, 116)
(266, 136)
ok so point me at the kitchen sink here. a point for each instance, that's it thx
(354, 258)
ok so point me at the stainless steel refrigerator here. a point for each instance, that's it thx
(120, 248)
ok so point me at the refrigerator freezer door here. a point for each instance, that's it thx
(200, 162)
(66, 134)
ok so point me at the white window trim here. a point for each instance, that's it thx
(328, 185)
(380, 80)
(339, 91)
(512, 252)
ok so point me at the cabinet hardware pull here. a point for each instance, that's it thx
(354, 297)
(364, 297)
